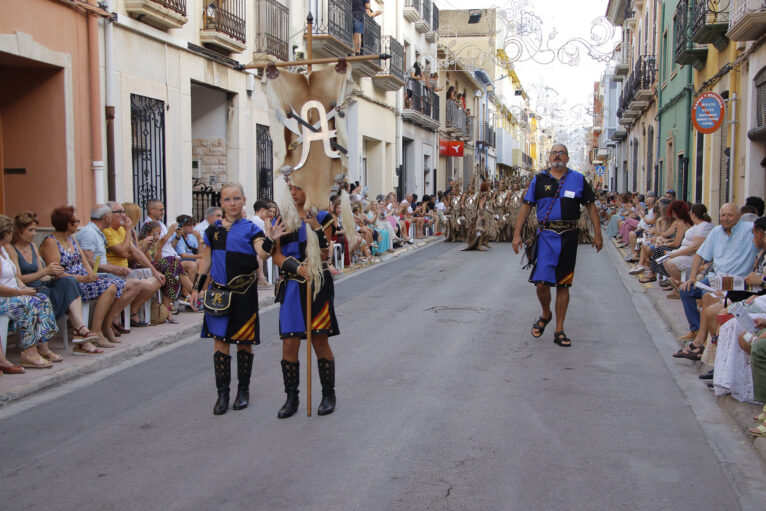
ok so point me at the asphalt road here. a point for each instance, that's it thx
(445, 402)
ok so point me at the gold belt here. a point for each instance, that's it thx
(239, 284)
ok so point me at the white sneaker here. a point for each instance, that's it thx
(636, 270)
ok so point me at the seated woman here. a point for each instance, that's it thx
(61, 247)
(176, 279)
(32, 311)
(678, 213)
(368, 234)
(371, 219)
(680, 260)
(63, 292)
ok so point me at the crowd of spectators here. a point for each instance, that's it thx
(718, 272)
(116, 264)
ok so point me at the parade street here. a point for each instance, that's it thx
(445, 401)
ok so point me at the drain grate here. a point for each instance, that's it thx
(444, 308)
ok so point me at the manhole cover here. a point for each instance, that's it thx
(445, 308)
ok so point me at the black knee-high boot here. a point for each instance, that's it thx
(291, 379)
(222, 365)
(244, 370)
(327, 377)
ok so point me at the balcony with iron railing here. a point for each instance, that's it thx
(370, 46)
(486, 134)
(223, 25)
(469, 124)
(333, 28)
(391, 76)
(622, 66)
(711, 21)
(162, 14)
(747, 20)
(455, 119)
(421, 105)
(423, 25)
(638, 91)
(273, 22)
(630, 15)
(685, 51)
(412, 10)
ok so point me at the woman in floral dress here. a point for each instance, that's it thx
(62, 248)
(32, 311)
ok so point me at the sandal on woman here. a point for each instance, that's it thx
(86, 348)
(36, 363)
(118, 329)
(694, 353)
(172, 321)
(646, 279)
(110, 336)
(12, 369)
(50, 356)
(540, 325)
(137, 323)
(759, 430)
(82, 334)
(561, 339)
(101, 342)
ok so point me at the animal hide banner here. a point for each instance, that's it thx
(309, 159)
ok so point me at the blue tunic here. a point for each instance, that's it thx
(557, 251)
(232, 254)
(292, 312)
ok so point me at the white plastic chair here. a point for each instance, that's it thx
(4, 331)
(337, 252)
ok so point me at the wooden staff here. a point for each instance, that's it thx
(309, 327)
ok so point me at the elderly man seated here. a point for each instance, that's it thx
(122, 245)
(730, 248)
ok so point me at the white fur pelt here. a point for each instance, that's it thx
(347, 219)
(292, 222)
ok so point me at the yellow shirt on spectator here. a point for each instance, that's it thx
(115, 237)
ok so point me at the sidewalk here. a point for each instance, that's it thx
(672, 313)
(139, 342)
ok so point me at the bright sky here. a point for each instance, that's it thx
(564, 20)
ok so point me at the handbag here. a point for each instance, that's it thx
(159, 313)
(530, 245)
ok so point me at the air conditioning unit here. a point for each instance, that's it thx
(197, 169)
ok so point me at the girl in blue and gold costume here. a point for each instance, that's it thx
(293, 256)
(233, 245)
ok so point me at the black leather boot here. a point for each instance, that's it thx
(291, 379)
(244, 370)
(222, 365)
(327, 377)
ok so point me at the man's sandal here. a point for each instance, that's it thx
(759, 430)
(694, 353)
(647, 279)
(540, 325)
(561, 339)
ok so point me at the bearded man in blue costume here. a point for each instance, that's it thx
(558, 195)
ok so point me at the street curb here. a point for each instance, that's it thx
(130, 352)
(741, 413)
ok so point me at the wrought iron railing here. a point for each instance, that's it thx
(426, 101)
(371, 37)
(178, 6)
(426, 10)
(487, 134)
(273, 21)
(710, 12)
(414, 4)
(469, 126)
(414, 95)
(456, 117)
(681, 37)
(203, 197)
(334, 18)
(434, 105)
(227, 17)
(741, 8)
(395, 65)
(434, 18)
(640, 78)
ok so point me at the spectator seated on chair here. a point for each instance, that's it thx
(670, 240)
(186, 245)
(212, 214)
(61, 247)
(63, 292)
(730, 248)
(32, 311)
(122, 246)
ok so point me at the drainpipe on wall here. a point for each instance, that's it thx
(97, 163)
(111, 176)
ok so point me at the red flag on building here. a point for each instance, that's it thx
(450, 148)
